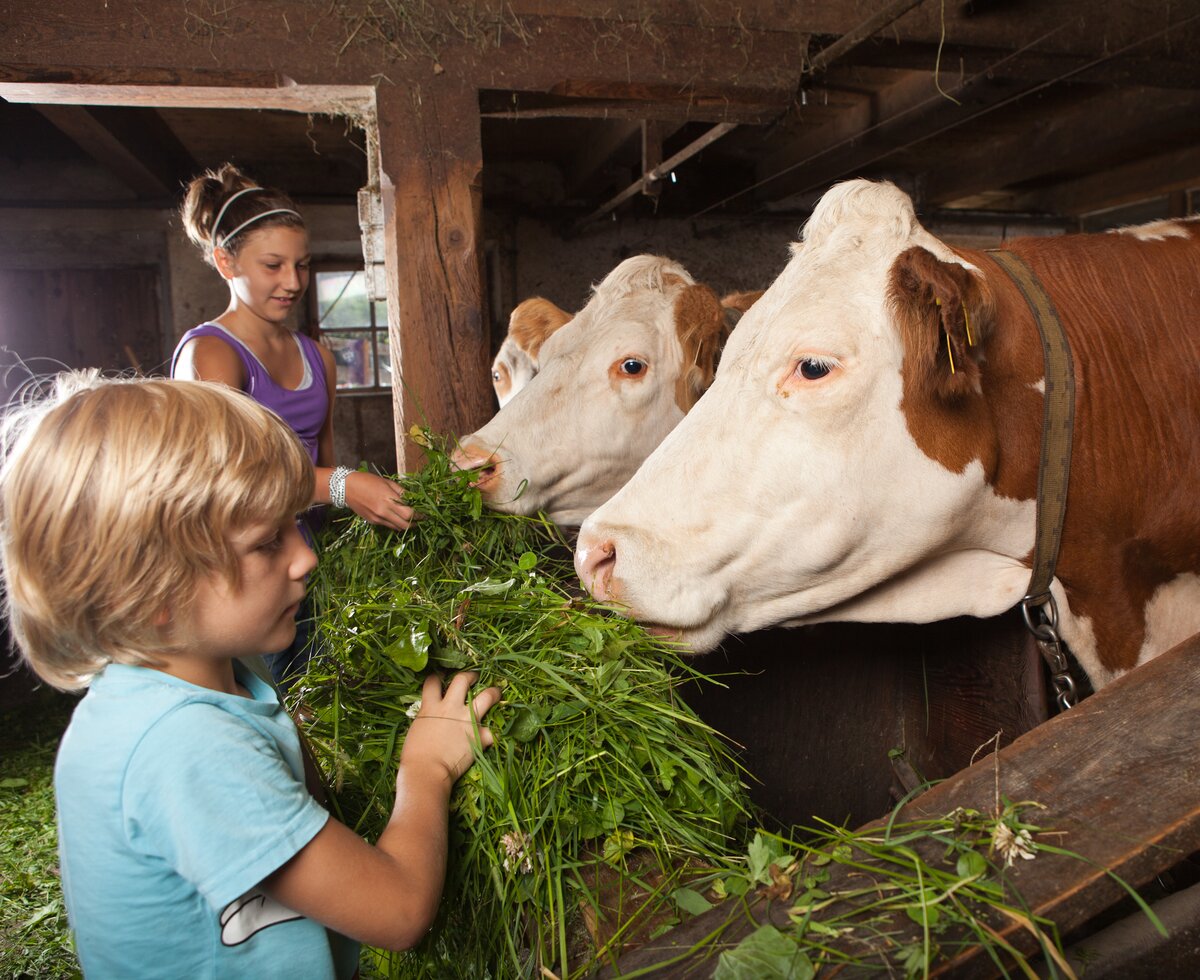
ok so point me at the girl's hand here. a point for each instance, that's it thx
(443, 733)
(377, 500)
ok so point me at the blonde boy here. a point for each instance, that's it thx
(148, 541)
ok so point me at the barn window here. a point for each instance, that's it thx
(354, 327)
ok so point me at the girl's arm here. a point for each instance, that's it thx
(369, 495)
(210, 359)
(387, 895)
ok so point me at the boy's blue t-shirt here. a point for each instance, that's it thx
(174, 803)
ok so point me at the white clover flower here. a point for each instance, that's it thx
(1011, 846)
(413, 709)
(516, 847)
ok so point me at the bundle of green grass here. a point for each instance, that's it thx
(605, 804)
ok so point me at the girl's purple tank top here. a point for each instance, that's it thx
(303, 408)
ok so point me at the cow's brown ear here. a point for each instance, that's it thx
(741, 301)
(700, 327)
(945, 314)
(532, 321)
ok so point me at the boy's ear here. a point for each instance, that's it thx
(162, 618)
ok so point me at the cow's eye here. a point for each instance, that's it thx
(496, 376)
(632, 366)
(812, 369)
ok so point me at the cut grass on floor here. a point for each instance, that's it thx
(34, 939)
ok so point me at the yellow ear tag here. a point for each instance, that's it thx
(946, 334)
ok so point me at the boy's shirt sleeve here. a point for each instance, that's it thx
(214, 797)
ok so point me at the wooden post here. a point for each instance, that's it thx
(431, 162)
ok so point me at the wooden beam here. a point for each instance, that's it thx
(597, 154)
(914, 119)
(1152, 176)
(431, 164)
(135, 145)
(736, 107)
(653, 136)
(1116, 777)
(1133, 68)
(860, 33)
(1064, 139)
(658, 173)
(341, 99)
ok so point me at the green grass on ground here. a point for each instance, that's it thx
(34, 940)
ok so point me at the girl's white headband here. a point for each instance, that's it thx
(249, 221)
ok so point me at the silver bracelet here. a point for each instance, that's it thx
(337, 485)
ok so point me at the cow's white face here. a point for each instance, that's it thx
(512, 370)
(530, 323)
(794, 491)
(606, 392)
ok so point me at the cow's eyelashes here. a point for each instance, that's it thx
(814, 368)
(632, 367)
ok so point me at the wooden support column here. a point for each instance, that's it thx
(431, 163)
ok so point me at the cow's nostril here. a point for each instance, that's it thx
(595, 564)
(486, 467)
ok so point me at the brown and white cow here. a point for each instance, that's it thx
(529, 324)
(838, 469)
(611, 383)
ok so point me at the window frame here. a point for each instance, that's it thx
(375, 329)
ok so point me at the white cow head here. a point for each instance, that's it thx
(610, 385)
(795, 491)
(529, 324)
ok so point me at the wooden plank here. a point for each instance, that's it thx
(431, 162)
(1091, 68)
(1161, 174)
(132, 43)
(832, 703)
(139, 149)
(1117, 777)
(923, 113)
(342, 99)
(1071, 138)
(725, 105)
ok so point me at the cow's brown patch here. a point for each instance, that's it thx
(701, 330)
(532, 321)
(1127, 307)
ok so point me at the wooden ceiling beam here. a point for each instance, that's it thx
(657, 173)
(294, 98)
(135, 145)
(732, 106)
(1067, 140)
(1153, 176)
(919, 113)
(1096, 68)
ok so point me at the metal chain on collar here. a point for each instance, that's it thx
(1054, 468)
(1042, 619)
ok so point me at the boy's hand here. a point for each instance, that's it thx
(443, 733)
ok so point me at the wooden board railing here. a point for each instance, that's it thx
(1119, 779)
